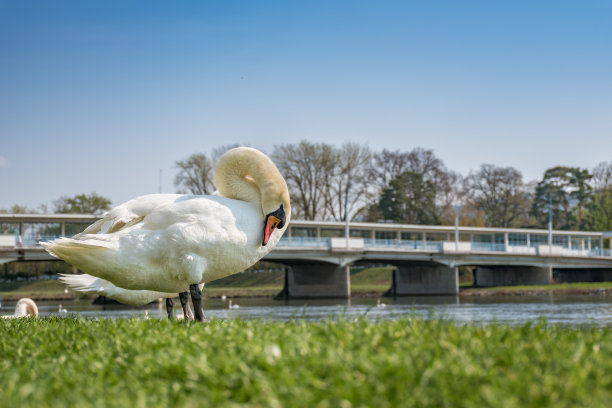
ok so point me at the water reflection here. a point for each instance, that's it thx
(574, 310)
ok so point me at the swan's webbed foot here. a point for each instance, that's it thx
(187, 312)
(170, 308)
(196, 299)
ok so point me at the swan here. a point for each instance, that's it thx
(232, 306)
(61, 310)
(25, 307)
(380, 304)
(158, 245)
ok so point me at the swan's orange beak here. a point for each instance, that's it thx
(273, 221)
(271, 224)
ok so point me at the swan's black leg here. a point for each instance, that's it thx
(169, 307)
(196, 299)
(184, 297)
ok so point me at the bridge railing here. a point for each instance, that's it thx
(406, 245)
(488, 247)
(304, 242)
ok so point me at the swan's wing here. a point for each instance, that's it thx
(108, 225)
(128, 214)
(91, 284)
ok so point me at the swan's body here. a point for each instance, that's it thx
(232, 306)
(25, 307)
(163, 244)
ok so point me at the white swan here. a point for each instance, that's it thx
(170, 243)
(25, 307)
(232, 306)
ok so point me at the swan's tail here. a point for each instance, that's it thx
(83, 283)
(88, 253)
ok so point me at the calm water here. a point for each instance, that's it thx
(565, 310)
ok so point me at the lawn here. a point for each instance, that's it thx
(335, 363)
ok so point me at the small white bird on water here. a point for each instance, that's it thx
(159, 245)
(232, 306)
(380, 304)
(61, 310)
(25, 307)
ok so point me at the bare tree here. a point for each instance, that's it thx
(348, 190)
(499, 193)
(388, 165)
(602, 177)
(195, 175)
(306, 168)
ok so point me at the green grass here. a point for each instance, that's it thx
(142, 363)
(39, 289)
(29, 286)
(371, 281)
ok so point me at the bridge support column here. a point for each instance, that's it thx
(512, 275)
(582, 275)
(424, 278)
(316, 280)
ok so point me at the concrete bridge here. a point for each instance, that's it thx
(319, 255)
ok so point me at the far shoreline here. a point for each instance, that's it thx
(582, 289)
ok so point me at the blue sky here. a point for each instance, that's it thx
(100, 95)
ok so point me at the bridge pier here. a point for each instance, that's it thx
(505, 275)
(582, 275)
(424, 278)
(316, 280)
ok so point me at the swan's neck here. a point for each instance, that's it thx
(247, 174)
(25, 308)
(237, 183)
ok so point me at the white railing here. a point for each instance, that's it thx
(304, 242)
(15, 241)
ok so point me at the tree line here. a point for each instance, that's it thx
(91, 203)
(328, 182)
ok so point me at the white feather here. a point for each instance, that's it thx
(91, 284)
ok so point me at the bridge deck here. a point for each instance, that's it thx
(20, 234)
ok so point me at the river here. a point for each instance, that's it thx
(567, 310)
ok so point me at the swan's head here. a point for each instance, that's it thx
(247, 174)
(275, 220)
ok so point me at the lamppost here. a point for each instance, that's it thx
(550, 223)
(346, 214)
(457, 207)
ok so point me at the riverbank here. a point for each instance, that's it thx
(368, 282)
(334, 363)
(577, 288)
